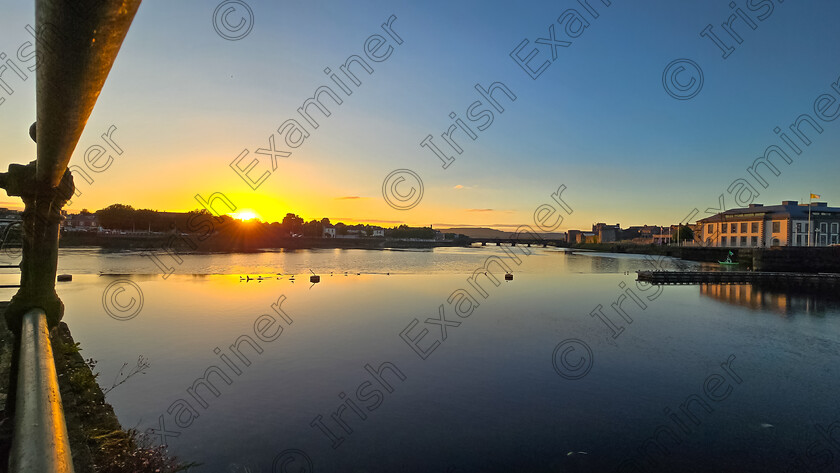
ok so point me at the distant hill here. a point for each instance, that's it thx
(482, 232)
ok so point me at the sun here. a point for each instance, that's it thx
(245, 215)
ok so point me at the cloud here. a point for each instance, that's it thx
(480, 210)
(351, 197)
(459, 186)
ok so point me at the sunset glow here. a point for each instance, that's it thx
(245, 215)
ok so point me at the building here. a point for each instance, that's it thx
(607, 233)
(377, 232)
(774, 225)
(588, 237)
(644, 234)
(329, 232)
(662, 238)
(76, 222)
(7, 214)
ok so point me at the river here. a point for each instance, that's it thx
(394, 361)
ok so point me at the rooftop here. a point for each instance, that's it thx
(788, 208)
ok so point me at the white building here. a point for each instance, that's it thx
(774, 225)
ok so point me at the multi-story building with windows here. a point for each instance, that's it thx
(773, 225)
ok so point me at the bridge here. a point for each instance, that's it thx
(521, 240)
(76, 45)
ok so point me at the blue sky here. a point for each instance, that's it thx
(186, 102)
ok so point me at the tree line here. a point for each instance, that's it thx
(126, 218)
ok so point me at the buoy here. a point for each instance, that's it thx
(508, 277)
(314, 278)
(65, 277)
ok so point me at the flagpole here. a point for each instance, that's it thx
(809, 218)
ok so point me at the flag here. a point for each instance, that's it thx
(815, 196)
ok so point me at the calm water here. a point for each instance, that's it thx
(703, 379)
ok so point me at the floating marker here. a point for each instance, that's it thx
(508, 277)
(64, 277)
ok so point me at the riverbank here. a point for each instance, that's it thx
(774, 259)
(225, 243)
(98, 442)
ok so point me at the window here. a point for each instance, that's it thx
(723, 228)
(744, 227)
(799, 240)
(777, 227)
(744, 239)
(775, 242)
(710, 228)
(798, 228)
(834, 226)
(834, 239)
(754, 241)
(733, 228)
(754, 228)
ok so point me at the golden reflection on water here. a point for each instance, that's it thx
(774, 300)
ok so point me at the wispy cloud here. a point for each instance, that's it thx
(459, 186)
(480, 210)
(351, 197)
(463, 187)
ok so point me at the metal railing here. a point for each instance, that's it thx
(40, 443)
(77, 42)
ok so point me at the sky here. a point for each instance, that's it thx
(187, 101)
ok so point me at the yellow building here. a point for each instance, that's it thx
(774, 225)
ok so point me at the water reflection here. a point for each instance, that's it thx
(486, 399)
(784, 302)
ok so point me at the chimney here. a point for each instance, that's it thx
(789, 202)
(752, 206)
